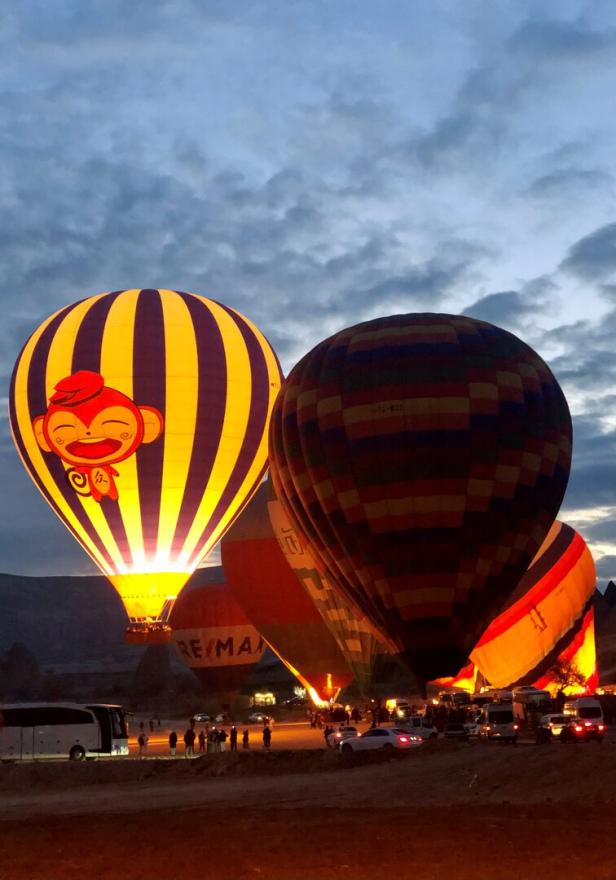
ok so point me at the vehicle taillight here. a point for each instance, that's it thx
(404, 739)
(600, 726)
(516, 726)
(579, 727)
(587, 724)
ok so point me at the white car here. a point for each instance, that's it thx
(388, 738)
(552, 724)
(258, 717)
(337, 736)
(202, 716)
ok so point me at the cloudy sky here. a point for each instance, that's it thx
(314, 164)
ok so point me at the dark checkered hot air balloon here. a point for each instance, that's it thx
(424, 458)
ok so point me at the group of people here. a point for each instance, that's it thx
(208, 740)
(214, 739)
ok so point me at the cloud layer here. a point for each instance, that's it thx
(315, 169)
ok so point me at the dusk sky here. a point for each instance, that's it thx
(315, 164)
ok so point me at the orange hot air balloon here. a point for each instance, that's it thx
(423, 458)
(214, 637)
(549, 617)
(356, 638)
(142, 417)
(273, 598)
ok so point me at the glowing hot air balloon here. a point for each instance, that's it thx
(214, 637)
(141, 415)
(275, 601)
(549, 617)
(423, 458)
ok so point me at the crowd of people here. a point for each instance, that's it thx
(211, 739)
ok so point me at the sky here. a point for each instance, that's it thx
(316, 164)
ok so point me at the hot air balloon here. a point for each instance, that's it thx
(273, 598)
(423, 458)
(355, 636)
(214, 637)
(549, 617)
(141, 415)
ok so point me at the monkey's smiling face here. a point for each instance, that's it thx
(113, 434)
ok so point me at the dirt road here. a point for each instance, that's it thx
(456, 811)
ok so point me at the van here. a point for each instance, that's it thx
(588, 708)
(498, 722)
(421, 725)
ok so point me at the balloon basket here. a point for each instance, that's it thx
(147, 634)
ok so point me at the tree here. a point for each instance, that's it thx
(567, 675)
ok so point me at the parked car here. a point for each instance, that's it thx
(202, 716)
(388, 738)
(455, 730)
(337, 736)
(258, 717)
(420, 726)
(578, 730)
(550, 726)
(472, 728)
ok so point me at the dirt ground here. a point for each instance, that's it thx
(466, 812)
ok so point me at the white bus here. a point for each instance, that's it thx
(39, 731)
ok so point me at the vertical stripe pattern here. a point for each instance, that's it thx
(211, 375)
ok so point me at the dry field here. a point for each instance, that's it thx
(448, 810)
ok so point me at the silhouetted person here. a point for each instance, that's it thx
(202, 739)
(267, 737)
(233, 738)
(142, 744)
(189, 741)
(173, 741)
(246, 739)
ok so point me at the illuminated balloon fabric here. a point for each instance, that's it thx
(175, 391)
(275, 601)
(545, 614)
(424, 458)
(580, 652)
(349, 627)
(465, 680)
(214, 637)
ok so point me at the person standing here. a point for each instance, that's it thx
(267, 736)
(202, 739)
(246, 739)
(173, 741)
(189, 742)
(222, 738)
(233, 738)
(142, 744)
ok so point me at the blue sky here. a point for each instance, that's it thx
(315, 164)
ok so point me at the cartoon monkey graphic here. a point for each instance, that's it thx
(91, 427)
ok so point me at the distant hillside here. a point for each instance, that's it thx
(80, 621)
(605, 633)
(70, 620)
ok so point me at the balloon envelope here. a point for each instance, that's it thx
(141, 415)
(353, 632)
(274, 599)
(424, 458)
(214, 637)
(549, 617)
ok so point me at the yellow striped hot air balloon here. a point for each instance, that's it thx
(142, 417)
